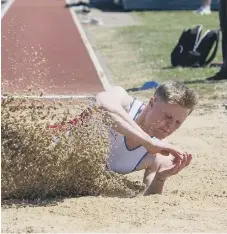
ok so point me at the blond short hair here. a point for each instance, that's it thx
(175, 92)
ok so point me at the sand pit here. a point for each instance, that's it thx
(195, 200)
(69, 160)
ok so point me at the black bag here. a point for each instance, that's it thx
(192, 49)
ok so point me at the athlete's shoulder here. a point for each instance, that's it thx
(126, 99)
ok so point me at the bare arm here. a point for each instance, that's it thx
(156, 185)
(153, 184)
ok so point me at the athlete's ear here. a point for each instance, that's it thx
(151, 102)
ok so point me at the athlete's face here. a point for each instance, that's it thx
(162, 119)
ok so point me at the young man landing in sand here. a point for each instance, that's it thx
(137, 128)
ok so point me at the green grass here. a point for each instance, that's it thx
(140, 53)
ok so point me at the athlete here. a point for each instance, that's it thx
(139, 131)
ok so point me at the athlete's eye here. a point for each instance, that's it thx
(178, 123)
(168, 116)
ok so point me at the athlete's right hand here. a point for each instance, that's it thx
(164, 148)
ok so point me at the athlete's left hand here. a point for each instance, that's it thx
(168, 168)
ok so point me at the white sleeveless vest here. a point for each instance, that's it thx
(121, 159)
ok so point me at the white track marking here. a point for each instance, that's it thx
(50, 96)
(6, 7)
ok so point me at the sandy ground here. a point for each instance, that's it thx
(193, 201)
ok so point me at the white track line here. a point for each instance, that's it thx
(6, 7)
(90, 50)
(50, 96)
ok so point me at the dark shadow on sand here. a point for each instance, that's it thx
(20, 203)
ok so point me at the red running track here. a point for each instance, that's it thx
(42, 48)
